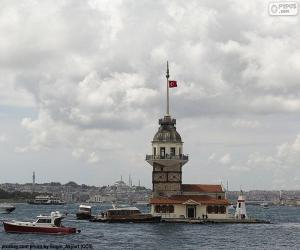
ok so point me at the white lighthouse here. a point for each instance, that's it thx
(240, 212)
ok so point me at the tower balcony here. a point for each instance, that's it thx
(167, 160)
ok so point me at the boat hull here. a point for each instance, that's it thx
(133, 219)
(83, 216)
(13, 228)
(46, 203)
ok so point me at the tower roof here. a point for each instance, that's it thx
(167, 131)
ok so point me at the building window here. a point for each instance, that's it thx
(222, 209)
(164, 209)
(154, 151)
(216, 209)
(172, 151)
(219, 197)
(209, 209)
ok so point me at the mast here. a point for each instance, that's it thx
(167, 76)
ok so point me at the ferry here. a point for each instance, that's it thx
(46, 200)
(43, 225)
(6, 208)
(84, 212)
(125, 214)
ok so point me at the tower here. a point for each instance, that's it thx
(167, 157)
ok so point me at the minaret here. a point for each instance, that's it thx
(167, 156)
(33, 181)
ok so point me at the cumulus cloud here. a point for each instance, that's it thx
(212, 157)
(289, 153)
(283, 166)
(226, 159)
(3, 138)
(239, 168)
(240, 123)
(93, 71)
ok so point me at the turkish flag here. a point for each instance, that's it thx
(172, 84)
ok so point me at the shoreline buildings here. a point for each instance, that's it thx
(170, 197)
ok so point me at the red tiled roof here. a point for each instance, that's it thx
(204, 188)
(180, 199)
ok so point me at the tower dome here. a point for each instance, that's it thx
(167, 131)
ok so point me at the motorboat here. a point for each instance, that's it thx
(125, 214)
(46, 200)
(44, 224)
(6, 208)
(84, 212)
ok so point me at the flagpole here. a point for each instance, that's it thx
(167, 76)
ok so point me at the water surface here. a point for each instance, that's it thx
(284, 233)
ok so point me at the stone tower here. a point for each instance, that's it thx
(167, 156)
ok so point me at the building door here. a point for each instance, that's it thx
(191, 211)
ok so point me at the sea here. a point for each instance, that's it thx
(282, 233)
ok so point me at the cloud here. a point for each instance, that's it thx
(226, 159)
(212, 157)
(94, 73)
(239, 168)
(3, 138)
(283, 166)
(240, 123)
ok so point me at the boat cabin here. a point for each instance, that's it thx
(55, 219)
(85, 209)
(122, 211)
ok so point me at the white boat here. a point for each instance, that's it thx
(264, 205)
(46, 200)
(6, 208)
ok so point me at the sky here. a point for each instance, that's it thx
(83, 85)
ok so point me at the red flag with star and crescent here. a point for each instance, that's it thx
(172, 84)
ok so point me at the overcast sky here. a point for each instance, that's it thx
(83, 84)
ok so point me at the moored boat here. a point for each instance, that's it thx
(43, 225)
(84, 212)
(6, 208)
(125, 214)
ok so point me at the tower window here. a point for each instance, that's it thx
(162, 152)
(172, 151)
(154, 151)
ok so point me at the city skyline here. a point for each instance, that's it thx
(83, 86)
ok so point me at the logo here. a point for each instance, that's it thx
(283, 8)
